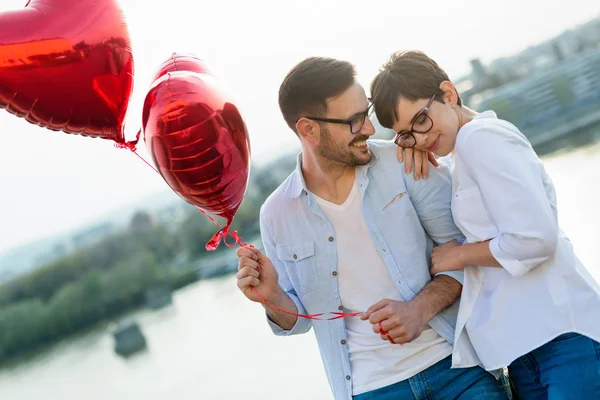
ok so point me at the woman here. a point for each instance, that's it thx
(528, 303)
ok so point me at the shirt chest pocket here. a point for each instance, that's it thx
(300, 262)
(471, 216)
(399, 224)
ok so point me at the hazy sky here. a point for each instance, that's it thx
(52, 182)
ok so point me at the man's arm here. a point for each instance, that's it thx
(402, 322)
(257, 278)
(286, 298)
(440, 293)
(432, 199)
(284, 320)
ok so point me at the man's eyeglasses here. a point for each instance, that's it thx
(355, 123)
(421, 123)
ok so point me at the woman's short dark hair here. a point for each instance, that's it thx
(410, 74)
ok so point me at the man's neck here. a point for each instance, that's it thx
(328, 180)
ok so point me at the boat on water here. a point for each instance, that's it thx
(128, 337)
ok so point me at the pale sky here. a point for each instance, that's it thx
(52, 182)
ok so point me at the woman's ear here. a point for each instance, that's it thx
(450, 93)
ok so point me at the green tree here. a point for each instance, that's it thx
(22, 325)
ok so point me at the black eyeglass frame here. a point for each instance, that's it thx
(364, 115)
(424, 111)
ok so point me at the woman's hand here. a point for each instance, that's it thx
(419, 159)
(446, 257)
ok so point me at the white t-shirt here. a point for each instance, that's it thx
(364, 280)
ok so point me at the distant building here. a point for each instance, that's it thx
(546, 90)
(549, 102)
(570, 44)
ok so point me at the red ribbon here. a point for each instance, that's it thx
(336, 314)
(381, 331)
(222, 235)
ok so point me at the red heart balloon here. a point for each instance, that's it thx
(197, 138)
(67, 65)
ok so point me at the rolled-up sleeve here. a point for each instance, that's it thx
(458, 275)
(511, 183)
(302, 325)
(432, 199)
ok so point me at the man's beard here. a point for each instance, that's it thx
(340, 154)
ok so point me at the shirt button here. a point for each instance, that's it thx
(384, 250)
(343, 342)
(347, 377)
(334, 273)
(340, 308)
(331, 238)
(295, 256)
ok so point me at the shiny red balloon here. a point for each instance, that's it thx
(197, 137)
(67, 65)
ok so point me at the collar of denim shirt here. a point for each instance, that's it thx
(298, 184)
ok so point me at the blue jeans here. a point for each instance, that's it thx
(567, 367)
(441, 382)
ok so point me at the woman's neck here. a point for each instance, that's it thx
(465, 115)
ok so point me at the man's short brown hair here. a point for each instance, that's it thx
(306, 88)
(410, 74)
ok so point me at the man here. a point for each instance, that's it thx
(350, 230)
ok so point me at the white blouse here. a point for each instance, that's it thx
(501, 191)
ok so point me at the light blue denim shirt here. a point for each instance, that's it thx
(405, 218)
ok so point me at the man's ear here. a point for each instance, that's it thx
(308, 130)
(450, 93)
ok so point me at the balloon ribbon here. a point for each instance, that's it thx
(222, 235)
